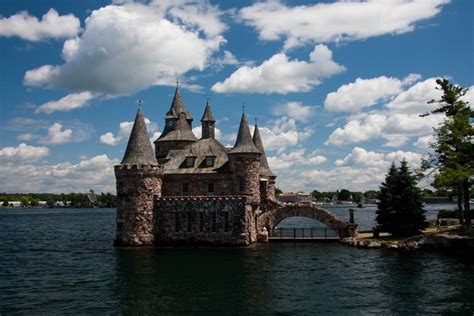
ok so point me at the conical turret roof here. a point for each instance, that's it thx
(264, 167)
(177, 106)
(139, 150)
(208, 115)
(244, 142)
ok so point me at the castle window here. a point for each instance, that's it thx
(201, 222)
(226, 221)
(120, 188)
(241, 184)
(190, 162)
(189, 222)
(210, 188)
(209, 161)
(177, 222)
(185, 189)
(170, 123)
(213, 222)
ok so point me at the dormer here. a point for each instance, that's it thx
(210, 158)
(190, 159)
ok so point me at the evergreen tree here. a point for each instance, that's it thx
(454, 148)
(400, 211)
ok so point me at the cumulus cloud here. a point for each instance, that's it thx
(424, 142)
(22, 152)
(125, 128)
(397, 122)
(95, 173)
(354, 96)
(51, 25)
(282, 133)
(295, 110)
(127, 48)
(339, 21)
(294, 158)
(67, 103)
(361, 157)
(56, 135)
(279, 74)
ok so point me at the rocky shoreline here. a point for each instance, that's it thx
(420, 242)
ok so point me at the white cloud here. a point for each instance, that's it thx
(51, 25)
(281, 75)
(415, 99)
(67, 103)
(95, 173)
(125, 128)
(295, 110)
(127, 48)
(56, 135)
(361, 157)
(354, 96)
(397, 122)
(22, 153)
(227, 59)
(339, 21)
(295, 158)
(424, 142)
(282, 133)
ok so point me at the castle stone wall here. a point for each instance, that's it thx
(197, 184)
(246, 167)
(137, 187)
(215, 220)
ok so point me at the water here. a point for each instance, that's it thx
(55, 261)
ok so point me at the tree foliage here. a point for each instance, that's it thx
(400, 209)
(454, 147)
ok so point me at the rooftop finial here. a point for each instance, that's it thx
(177, 81)
(255, 120)
(139, 102)
(243, 107)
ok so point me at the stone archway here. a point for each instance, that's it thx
(272, 217)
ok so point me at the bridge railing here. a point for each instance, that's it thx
(304, 233)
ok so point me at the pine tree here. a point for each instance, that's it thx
(400, 211)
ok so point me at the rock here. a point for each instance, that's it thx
(392, 246)
(411, 245)
(374, 244)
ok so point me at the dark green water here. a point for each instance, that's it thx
(62, 262)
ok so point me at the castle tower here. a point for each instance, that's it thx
(139, 180)
(244, 162)
(267, 177)
(208, 121)
(177, 132)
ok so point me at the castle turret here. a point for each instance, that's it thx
(177, 133)
(244, 162)
(208, 121)
(138, 183)
(267, 177)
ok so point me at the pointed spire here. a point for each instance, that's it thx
(139, 151)
(208, 116)
(177, 106)
(244, 142)
(257, 140)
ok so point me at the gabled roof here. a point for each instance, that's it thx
(177, 107)
(208, 115)
(244, 142)
(139, 151)
(182, 131)
(264, 167)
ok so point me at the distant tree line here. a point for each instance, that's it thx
(72, 200)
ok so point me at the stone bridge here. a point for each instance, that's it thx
(277, 212)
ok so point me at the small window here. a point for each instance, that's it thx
(226, 222)
(210, 188)
(209, 161)
(213, 222)
(177, 222)
(241, 183)
(189, 222)
(185, 188)
(170, 123)
(120, 188)
(189, 162)
(201, 222)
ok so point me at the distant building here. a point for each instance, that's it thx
(296, 197)
(191, 190)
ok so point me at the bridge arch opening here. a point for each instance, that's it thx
(302, 227)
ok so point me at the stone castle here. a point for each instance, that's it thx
(190, 190)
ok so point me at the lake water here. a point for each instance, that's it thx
(61, 261)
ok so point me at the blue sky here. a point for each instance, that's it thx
(336, 86)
